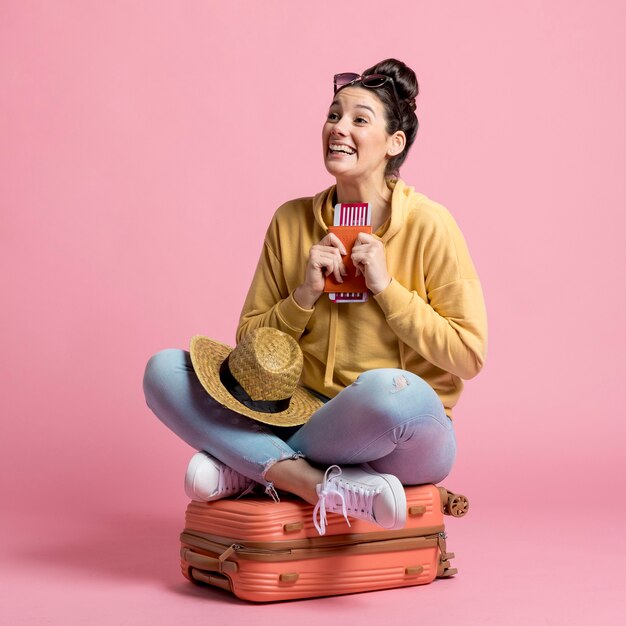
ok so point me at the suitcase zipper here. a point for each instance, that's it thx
(204, 555)
(226, 550)
(308, 542)
(443, 569)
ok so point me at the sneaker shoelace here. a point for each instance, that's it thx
(351, 498)
(231, 481)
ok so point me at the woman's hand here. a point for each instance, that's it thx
(368, 256)
(324, 259)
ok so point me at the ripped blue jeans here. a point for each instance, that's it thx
(389, 418)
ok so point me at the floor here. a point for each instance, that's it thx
(123, 569)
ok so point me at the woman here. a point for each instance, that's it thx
(391, 366)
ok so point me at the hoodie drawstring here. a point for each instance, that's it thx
(402, 357)
(323, 204)
(332, 344)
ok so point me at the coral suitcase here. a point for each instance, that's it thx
(264, 551)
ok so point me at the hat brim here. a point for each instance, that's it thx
(207, 355)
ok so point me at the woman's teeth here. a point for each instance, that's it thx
(338, 148)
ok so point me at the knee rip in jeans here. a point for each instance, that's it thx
(400, 382)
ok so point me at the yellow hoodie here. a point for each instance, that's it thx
(430, 319)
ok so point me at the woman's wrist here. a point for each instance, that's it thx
(378, 289)
(304, 298)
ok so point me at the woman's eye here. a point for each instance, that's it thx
(332, 117)
(360, 120)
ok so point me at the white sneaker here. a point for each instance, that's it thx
(362, 493)
(208, 479)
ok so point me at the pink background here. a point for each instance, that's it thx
(144, 148)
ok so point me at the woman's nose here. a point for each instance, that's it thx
(338, 128)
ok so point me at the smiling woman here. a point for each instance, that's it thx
(377, 379)
(356, 143)
(397, 89)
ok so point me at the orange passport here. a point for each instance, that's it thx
(351, 283)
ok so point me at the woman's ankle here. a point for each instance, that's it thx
(296, 476)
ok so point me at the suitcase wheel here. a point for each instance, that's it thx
(457, 505)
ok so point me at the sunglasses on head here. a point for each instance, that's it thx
(371, 81)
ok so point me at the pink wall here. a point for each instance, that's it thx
(145, 146)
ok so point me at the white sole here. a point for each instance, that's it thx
(190, 477)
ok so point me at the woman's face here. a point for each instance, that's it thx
(354, 137)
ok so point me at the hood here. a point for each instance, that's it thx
(401, 197)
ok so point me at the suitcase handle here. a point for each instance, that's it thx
(210, 578)
(208, 563)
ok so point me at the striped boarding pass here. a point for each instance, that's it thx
(351, 214)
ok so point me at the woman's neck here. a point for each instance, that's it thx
(376, 193)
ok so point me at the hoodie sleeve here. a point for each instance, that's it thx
(269, 302)
(449, 326)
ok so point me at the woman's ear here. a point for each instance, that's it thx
(396, 143)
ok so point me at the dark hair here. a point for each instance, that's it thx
(402, 118)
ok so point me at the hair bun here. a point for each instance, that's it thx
(403, 77)
(401, 117)
(410, 102)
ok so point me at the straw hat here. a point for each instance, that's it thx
(258, 378)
